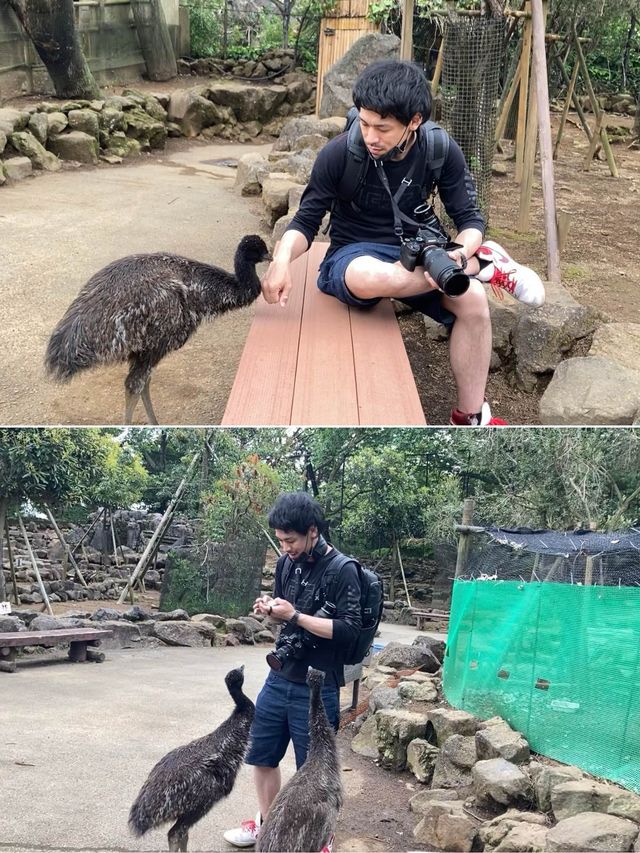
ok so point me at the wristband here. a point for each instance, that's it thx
(294, 619)
(464, 259)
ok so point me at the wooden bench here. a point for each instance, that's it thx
(429, 615)
(318, 361)
(78, 638)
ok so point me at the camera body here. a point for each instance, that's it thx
(296, 644)
(423, 250)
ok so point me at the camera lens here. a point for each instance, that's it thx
(454, 282)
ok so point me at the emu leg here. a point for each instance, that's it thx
(178, 836)
(146, 399)
(135, 383)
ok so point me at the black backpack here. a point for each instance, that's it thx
(432, 139)
(371, 602)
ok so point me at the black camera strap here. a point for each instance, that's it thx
(398, 216)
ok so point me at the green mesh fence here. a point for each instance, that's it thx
(559, 661)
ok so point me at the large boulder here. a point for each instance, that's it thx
(275, 193)
(586, 795)
(421, 759)
(145, 129)
(494, 832)
(547, 780)
(337, 84)
(307, 126)
(444, 722)
(446, 826)
(416, 692)
(13, 120)
(497, 781)
(399, 656)
(56, 123)
(542, 337)
(454, 761)
(251, 173)
(592, 831)
(384, 697)
(501, 741)
(248, 102)
(396, 729)
(11, 624)
(192, 111)
(619, 342)
(192, 634)
(592, 390)
(26, 144)
(366, 741)
(85, 120)
(39, 127)
(75, 145)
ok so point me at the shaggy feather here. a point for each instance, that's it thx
(303, 816)
(141, 307)
(189, 780)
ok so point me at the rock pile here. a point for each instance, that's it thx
(270, 66)
(483, 789)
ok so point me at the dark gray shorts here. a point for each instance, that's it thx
(333, 270)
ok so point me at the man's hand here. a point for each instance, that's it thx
(281, 609)
(277, 283)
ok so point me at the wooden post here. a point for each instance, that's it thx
(524, 100)
(594, 142)
(113, 538)
(12, 565)
(529, 161)
(464, 541)
(4, 503)
(595, 105)
(158, 533)
(435, 82)
(508, 101)
(565, 109)
(576, 103)
(43, 591)
(404, 580)
(406, 37)
(538, 19)
(88, 531)
(67, 549)
(563, 229)
(588, 571)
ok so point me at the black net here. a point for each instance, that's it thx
(470, 88)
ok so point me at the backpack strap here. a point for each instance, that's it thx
(330, 576)
(288, 568)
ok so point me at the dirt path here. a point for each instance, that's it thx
(57, 230)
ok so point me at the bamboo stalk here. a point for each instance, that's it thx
(67, 549)
(563, 219)
(594, 143)
(576, 103)
(565, 109)
(437, 73)
(464, 542)
(508, 101)
(113, 538)
(43, 591)
(406, 38)
(88, 531)
(404, 580)
(524, 101)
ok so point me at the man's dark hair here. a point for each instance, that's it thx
(391, 87)
(296, 511)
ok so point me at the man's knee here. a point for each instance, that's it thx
(365, 277)
(473, 305)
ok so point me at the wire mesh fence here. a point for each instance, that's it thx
(470, 89)
(545, 632)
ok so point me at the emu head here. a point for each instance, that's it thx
(234, 678)
(315, 678)
(253, 249)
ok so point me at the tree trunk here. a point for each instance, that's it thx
(50, 24)
(155, 39)
(636, 120)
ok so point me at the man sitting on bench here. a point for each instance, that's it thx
(374, 217)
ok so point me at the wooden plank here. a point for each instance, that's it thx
(325, 389)
(45, 638)
(386, 389)
(262, 392)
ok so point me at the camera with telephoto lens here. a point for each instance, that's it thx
(297, 644)
(428, 249)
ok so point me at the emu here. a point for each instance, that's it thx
(303, 816)
(189, 780)
(141, 307)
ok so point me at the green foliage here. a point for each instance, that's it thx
(57, 466)
(185, 590)
(240, 500)
(123, 479)
(206, 26)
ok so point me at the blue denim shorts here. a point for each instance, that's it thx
(282, 714)
(331, 280)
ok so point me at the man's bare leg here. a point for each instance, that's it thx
(470, 344)
(267, 781)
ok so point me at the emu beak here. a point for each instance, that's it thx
(242, 669)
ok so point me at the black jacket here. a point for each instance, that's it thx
(372, 222)
(307, 592)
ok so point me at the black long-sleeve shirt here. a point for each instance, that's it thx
(373, 221)
(308, 595)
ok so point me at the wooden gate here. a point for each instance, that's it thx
(348, 23)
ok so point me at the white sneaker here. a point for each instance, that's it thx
(503, 273)
(246, 834)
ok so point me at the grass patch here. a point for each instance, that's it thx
(574, 272)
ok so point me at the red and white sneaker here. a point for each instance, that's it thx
(503, 273)
(482, 418)
(244, 835)
(328, 847)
